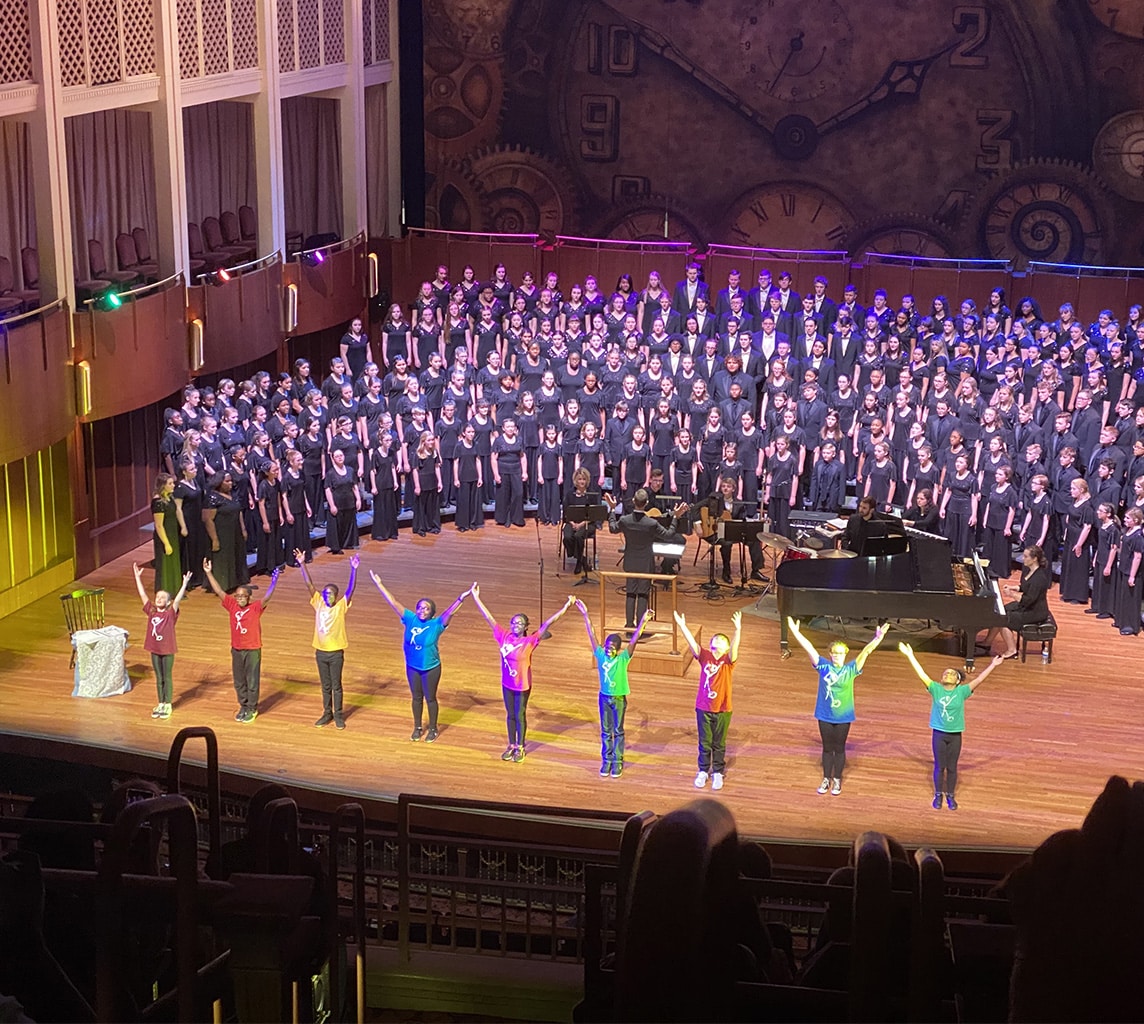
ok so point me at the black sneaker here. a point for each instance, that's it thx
(518, 754)
(431, 735)
(507, 755)
(240, 715)
(415, 735)
(339, 722)
(937, 801)
(251, 715)
(605, 770)
(950, 802)
(617, 770)
(326, 719)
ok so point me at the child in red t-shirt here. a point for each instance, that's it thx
(245, 616)
(713, 699)
(162, 614)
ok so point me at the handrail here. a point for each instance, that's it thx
(476, 235)
(341, 245)
(1005, 266)
(838, 255)
(666, 243)
(258, 263)
(133, 293)
(7, 321)
(214, 798)
(1079, 268)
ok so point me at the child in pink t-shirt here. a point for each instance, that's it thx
(516, 646)
(162, 614)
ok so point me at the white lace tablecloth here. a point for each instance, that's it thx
(100, 670)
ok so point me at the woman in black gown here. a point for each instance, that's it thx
(226, 531)
(383, 484)
(1031, 606)
(343, 499)
(269, 554)
(1076, 558)
(296, 507)
(168, 564)
(188, 497)
(355, 349)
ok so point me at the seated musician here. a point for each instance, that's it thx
(722, 505)
(858, 526)
(575, 535)
(923, 514)
(662, 503)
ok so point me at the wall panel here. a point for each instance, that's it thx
(37, 387)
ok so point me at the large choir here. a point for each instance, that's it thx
(1016, 433)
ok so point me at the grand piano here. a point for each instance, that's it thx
(923, 581)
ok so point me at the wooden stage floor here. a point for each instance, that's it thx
(1040, 743)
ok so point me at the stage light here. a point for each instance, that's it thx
(313, 258)
(108, 301)
(219, 277)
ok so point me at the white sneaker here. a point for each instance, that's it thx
(700, 780)
(836, 787)
(824, 787)
(157, 711)
(717, 781)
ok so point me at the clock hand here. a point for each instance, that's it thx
(795, 47)
(663, 47)
(903, 78)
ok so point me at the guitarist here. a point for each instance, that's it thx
(640, 532)
(722, 505)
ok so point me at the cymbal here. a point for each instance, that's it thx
(838, 553)
(776, 541)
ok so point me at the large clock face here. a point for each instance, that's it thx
(703, 100)
(788, 215)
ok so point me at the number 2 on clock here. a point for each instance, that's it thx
(970, 19)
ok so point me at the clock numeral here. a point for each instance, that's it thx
(599, 128)
(615, 52)
(968, 19)
(788, 200)
(995, 148)
(837, 235)
(760, 211)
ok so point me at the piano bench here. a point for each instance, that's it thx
(1042, 631)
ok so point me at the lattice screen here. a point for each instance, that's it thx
(187, 17)
(381, 30)
(287, 59)
(73, 42)
(16, 53)
(309, 33)
(333, 32)
(103, 43)
(138, 38)
(244, 33)
(216, 44)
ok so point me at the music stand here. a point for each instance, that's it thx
(577, 514)
(740, 532)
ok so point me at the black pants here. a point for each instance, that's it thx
(635, 606)
(612, 711)
(946, 751)
(163, 664)
(423, 686)
(516, 715)
(833, 748)
(246, 667)
(509, 510)
(330, 665)
(713, 726)
(469, 515)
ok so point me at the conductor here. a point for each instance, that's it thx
(640, 532)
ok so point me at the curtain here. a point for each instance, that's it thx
(311, 166)
(218, 147)
(111, 176)
(17, 195)
(376, 162)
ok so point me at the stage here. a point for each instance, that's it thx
(1040, 740)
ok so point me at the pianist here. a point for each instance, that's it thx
(861, 526)
(722, 505)
(923, 514)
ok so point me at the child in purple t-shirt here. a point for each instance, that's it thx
(162, 614)
(516, 646)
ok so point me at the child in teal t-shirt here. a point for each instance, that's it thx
(612, 659)
(947, 720)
